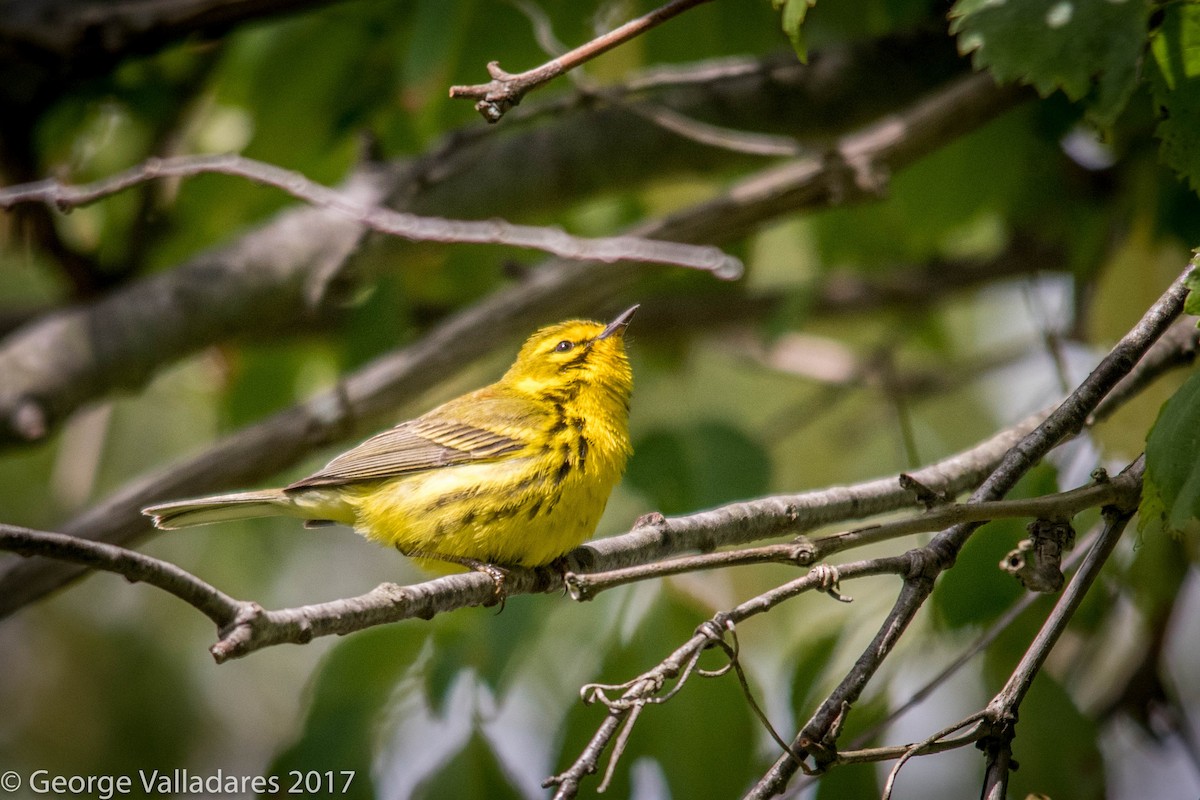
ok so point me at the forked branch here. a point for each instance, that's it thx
(819, 735)
(505, 90)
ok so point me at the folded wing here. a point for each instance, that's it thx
(435, 440)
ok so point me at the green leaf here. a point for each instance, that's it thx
(1192, 304)
(812, 660)
(1153, 578)
(697, 467)
(262, 380)
(473, 773)
(794, 12)
(976, 592)
(350, 690)
(1175, 87)
(1171, 493)
(1087, 48)
(961, 189)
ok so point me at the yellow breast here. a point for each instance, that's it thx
(525, 510)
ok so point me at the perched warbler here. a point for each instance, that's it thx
(515, 473)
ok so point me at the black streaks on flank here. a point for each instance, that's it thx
(582, 450)
(525, 483)
(450, 498)
(560, 419)
(563, 470)
(534, 509)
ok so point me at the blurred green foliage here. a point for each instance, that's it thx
(1172, 494)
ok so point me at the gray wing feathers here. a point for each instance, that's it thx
(413, 446)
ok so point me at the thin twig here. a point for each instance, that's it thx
(555, 241)
(735, 141)
(136, 567)
(568, 781)
(1002, 710)
(674, 670)
(871, 755)
(937, 681)
(922, 747)
(506, 90)
(760, 144)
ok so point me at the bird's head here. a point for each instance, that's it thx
(569, 357)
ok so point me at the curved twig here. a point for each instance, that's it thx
(505, 90)
(926, 745)
(135, 567)
(378, 218)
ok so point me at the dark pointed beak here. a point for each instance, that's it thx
(618, 325)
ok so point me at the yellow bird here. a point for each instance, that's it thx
(515, 473)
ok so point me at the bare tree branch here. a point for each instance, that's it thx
(1122, 491)
(505, 90)
(136, 567)
(378, 218)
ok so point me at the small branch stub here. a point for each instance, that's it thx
(925, 495)
(1037, 561)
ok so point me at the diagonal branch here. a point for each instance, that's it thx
(505, 90)
(1002, 710)
(1122, 491)
(818, 736)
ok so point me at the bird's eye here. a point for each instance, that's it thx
(563, 346)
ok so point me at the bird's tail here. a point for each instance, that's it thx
(220, 508)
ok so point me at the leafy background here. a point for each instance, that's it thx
(107, 679)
